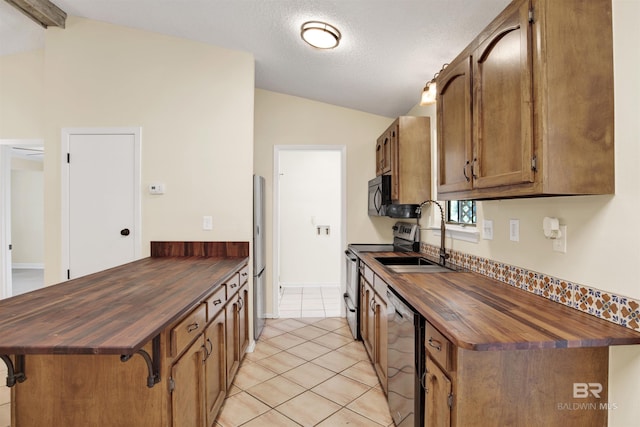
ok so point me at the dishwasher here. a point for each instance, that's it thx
(405, 361)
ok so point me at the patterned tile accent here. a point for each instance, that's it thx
(618, 309)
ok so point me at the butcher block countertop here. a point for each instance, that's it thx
(479, 313)
(115, 311)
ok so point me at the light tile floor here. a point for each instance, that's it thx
(310, 301)
(306, 372)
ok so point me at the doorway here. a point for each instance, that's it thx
(21, 216)
(309, 234)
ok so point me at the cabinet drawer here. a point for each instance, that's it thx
(380, 287)
(233, 284)
(368, 274)
(244, 275)
(186, 331)
(215, 302)
(438, 346)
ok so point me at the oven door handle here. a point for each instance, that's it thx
(346, 302)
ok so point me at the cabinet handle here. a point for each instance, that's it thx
(240, 304)
(244, 274)
(210, 347)
(435, 344)
(422, 381)
(217, 302)
(233, 285)
(192, 327)
(464, 171)
(473, 174)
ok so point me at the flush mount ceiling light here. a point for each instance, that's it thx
(320, 34)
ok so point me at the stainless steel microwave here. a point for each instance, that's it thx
(380, 203)
(379, 195)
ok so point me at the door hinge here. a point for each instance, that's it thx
(531, 16)
(68, 157)
(10, 247)
(68, 274)
(450, 400)
(534, 163)
(172, 385)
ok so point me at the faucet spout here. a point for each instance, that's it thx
(443, 252)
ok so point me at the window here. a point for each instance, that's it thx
(462, 212)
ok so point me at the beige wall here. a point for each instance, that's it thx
(602, 245)
(27, 213)
(21, 95)
(288, 120)
(194, 103)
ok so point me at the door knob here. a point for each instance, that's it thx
(125, 232)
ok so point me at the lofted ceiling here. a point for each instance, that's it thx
(389, 48)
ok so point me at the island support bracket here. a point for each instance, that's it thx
(14, 374)
(153, 363)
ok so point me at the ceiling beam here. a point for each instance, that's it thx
(43, 12)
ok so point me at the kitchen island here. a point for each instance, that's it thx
(148, 343)
(497, 355)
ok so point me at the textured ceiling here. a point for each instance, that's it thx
(389, 48)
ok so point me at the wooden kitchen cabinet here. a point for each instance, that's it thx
(527, 109)
(187, 387)
(437, 396)
(511, 387)
(215, 368)
(404, 152)
(144, 343)
(385, 146)
(373, 322)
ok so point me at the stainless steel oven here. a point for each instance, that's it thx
(406, 237)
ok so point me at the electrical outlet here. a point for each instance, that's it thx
(207, 222)
(514, 230)
(560, 244)
(487, 229)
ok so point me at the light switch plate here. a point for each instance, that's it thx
(514, 230)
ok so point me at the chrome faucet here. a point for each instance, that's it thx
(443, 253)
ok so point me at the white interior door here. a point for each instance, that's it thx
(103, 182)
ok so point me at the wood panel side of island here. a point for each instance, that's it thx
(199, 249)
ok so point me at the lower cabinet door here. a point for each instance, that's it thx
(232, 339)
(243, 318)
(215, 367)
(437, 397)
(381, 342)
(187, 383)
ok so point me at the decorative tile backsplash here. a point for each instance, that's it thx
(618, 309)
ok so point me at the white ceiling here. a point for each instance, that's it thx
(389, 48)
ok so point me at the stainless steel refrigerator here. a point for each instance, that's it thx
(259, 256)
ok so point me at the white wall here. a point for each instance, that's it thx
(288, 120)
(194, 103)
(602, 248)
(27, 213)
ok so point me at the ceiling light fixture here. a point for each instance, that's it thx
(429, 92)
(320, 34)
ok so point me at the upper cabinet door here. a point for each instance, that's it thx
(502, 105)
(454, 127)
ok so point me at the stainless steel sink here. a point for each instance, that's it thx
(411, 264)
(404, 260)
